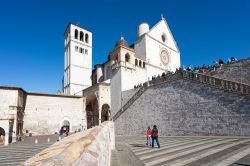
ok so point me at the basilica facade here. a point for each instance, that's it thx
(153, 52)
(89, 95)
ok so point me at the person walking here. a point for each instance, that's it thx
(149, 140)
(154, 135)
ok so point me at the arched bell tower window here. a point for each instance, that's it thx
(127, 57)
(76, 34)
(140, 63)
(86, 38)
(136, 62)
(81, 36)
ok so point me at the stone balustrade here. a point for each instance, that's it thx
(92, 147)
(223, 84)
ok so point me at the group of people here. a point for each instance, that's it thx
(64, 131)
(138, 86)
(152, 136)
(210, 67)
(192, 71)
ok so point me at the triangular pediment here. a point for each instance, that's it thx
(160, 31)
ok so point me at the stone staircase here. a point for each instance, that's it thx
(237, 71)
(215, 82)
(18, 152)
(187, 104)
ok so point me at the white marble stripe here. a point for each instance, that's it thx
(21, 150)
(26, 146)
(149, 149)
(169, 157)
(143, 148)
(173, 148)
(234, 158)
(161, 142)
(182, 162)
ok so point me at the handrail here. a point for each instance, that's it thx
(223, 84)
(129, 102)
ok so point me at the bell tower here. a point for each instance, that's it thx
(77, 59)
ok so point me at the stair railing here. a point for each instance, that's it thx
(130, 101)
(227, 85)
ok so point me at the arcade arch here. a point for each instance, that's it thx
(92, 111)
(105, 112)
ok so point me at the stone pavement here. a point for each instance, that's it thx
(177, 151)
(18, 152)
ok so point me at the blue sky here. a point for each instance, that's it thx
(31, 41)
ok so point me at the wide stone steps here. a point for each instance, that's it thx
(18, 152)
(193, 151)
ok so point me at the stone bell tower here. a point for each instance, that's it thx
(77, 59)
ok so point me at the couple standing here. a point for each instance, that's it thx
(152, 136)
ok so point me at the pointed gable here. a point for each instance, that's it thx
(162, 33)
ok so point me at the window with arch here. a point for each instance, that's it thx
(86, 38)
(136, 62)
(76, 34)
(143, 64)
(127, 57)
(81, 36)
(76, 49)
(140, 63)
(80, 50)
(86, 51)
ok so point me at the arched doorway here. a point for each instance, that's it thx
(65, 127)
(105, 112)
(2, 136)
(92, 111)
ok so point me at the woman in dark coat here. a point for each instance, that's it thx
(154, 135)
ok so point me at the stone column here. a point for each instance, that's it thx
(7, 129)
(99, 106)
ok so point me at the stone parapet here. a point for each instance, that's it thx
(92, 147)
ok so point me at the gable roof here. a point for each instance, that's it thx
(165, 21)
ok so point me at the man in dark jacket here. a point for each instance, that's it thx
(154, 135)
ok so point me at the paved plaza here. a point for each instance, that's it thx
(177, 151)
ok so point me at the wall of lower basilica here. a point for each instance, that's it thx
(45, 114)
(24, 112)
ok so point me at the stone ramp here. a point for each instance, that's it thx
(190, 151)
(18, 152)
